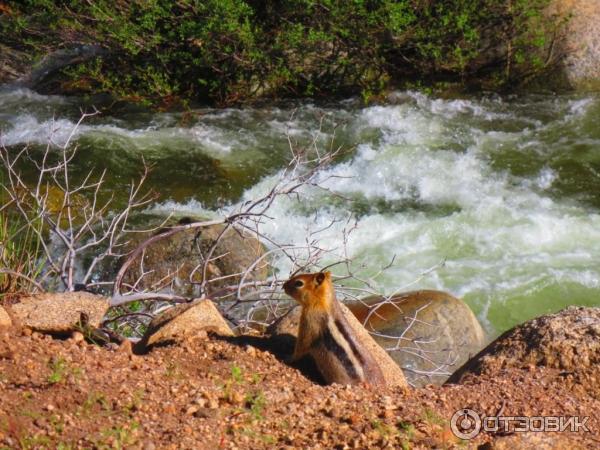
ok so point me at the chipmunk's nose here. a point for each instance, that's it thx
(288, 287)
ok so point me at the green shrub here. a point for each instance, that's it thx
(20, 252)
(229, 51)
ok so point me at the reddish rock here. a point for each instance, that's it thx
(439, 332)
(60, 313)
(4, 318)
(568, 340)
(185, 321)
(579, 41)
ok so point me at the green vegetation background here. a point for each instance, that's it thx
(231, 51)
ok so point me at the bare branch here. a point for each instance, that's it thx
(25, 277)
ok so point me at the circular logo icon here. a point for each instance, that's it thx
(465, 424)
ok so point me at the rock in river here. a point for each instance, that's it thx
(428, 333)
(173, 260)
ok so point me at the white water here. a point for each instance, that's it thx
(490, 186)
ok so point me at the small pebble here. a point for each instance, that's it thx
(77, 336)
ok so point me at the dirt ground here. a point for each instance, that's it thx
(214, 393)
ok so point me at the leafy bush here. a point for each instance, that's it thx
(228, 51)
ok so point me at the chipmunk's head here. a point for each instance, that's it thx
(310, 289)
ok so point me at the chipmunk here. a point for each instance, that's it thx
(325, 334)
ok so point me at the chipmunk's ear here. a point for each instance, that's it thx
(322, 276)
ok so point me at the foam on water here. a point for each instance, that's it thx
(500, 234)
(27, 129)
(30, 118)
(192, 208)
(19, 97)
(472, 182)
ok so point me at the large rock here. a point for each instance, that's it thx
(568, 340)
(17, 68)
(183, 322)
(60, 313)
(176, 257)
(4, 318)
(557, 47)
(393, 375)
(52, 63)
(428, 333)
(579, 42)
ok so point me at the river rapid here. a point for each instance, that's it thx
(504, 190)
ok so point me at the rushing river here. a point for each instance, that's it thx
(506, 191)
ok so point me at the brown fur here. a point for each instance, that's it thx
(325, 334)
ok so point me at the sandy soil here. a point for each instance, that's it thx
(215, 393)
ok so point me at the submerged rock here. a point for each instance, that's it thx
(174, 260)
(568, 340)
(185, 321)
(60, 313)
(288, 325)
(428, 333)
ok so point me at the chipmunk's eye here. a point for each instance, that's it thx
(298, 283)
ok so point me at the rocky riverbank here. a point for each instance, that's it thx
(213, 391)
(236, 52)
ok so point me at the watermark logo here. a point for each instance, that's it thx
(467, 424)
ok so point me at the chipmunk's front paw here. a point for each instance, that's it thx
(294, 358)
